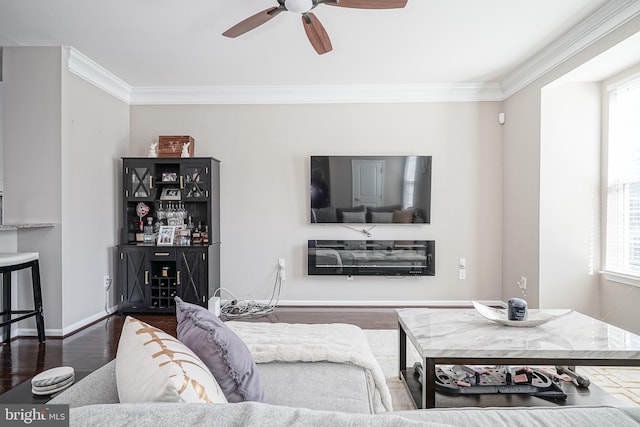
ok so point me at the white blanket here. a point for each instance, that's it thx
(336, 342)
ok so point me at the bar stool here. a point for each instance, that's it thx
(19, 261)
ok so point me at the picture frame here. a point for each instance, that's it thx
(170, 193)
(166, 235)
(169, 177)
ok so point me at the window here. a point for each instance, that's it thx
(409, 184)
(623, 180)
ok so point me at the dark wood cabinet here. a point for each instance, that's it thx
(172, 189)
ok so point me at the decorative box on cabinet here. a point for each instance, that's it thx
(149, 275)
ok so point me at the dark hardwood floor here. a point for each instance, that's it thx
(95, 345)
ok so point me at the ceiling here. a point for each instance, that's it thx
(178, 43)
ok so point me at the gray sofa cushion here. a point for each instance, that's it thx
(320, 385)
(567, 416)
(250, 414)
(244, 414)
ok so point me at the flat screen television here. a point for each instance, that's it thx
(370, 189)
(371, 258)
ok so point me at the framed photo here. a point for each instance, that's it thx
(170, 193)
(166, 235)
(169, 177)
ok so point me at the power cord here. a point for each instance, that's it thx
(106, 295)
(365, 231)
(237, 307)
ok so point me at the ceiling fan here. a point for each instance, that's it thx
(314, 29)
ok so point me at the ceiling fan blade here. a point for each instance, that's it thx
(253, 21)
(368, 4)
(316, 33)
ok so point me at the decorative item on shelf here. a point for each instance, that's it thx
(172, 146)
(185, 150)
(166, 235)
(170, 193)
(142, 209)
(152, 150)
(169, 177)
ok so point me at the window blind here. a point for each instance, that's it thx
(622, 254)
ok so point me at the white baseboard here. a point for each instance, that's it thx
(33, 332)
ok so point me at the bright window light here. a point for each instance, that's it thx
(623, 180)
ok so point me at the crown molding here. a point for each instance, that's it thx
(324, 94)
(97, 75)
(602, 22)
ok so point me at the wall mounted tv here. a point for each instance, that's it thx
(371, 189)
(371, 258)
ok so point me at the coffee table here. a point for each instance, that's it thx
(464, 337)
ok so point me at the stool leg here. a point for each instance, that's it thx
(37, 300)
(6, 306)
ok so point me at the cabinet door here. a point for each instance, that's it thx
(138, 180)
(133, 278)
(195, 180)
(192, 275)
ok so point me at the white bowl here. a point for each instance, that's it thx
(534, 317)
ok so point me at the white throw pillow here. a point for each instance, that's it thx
(153, 366)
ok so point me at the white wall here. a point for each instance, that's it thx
(32, 153)
(521, 244)
(265, 190)
(95, 134)
(570, 197)
(1, 132)
(63, 139)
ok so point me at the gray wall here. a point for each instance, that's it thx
(522, 190)
(265, 190)
(63, 139)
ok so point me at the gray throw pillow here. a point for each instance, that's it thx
(224, 353)
(354, 217)
(327, 214)
(382, 217)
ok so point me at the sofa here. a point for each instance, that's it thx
(264, 374)
(310, 394)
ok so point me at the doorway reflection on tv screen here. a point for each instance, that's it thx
(371, 189)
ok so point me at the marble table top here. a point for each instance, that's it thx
(464, 333)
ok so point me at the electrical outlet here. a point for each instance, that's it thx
(106, 281)
(462, 274)
(522, 283)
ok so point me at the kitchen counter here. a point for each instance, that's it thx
(12, 227)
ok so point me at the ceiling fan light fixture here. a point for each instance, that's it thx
(299, 6)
